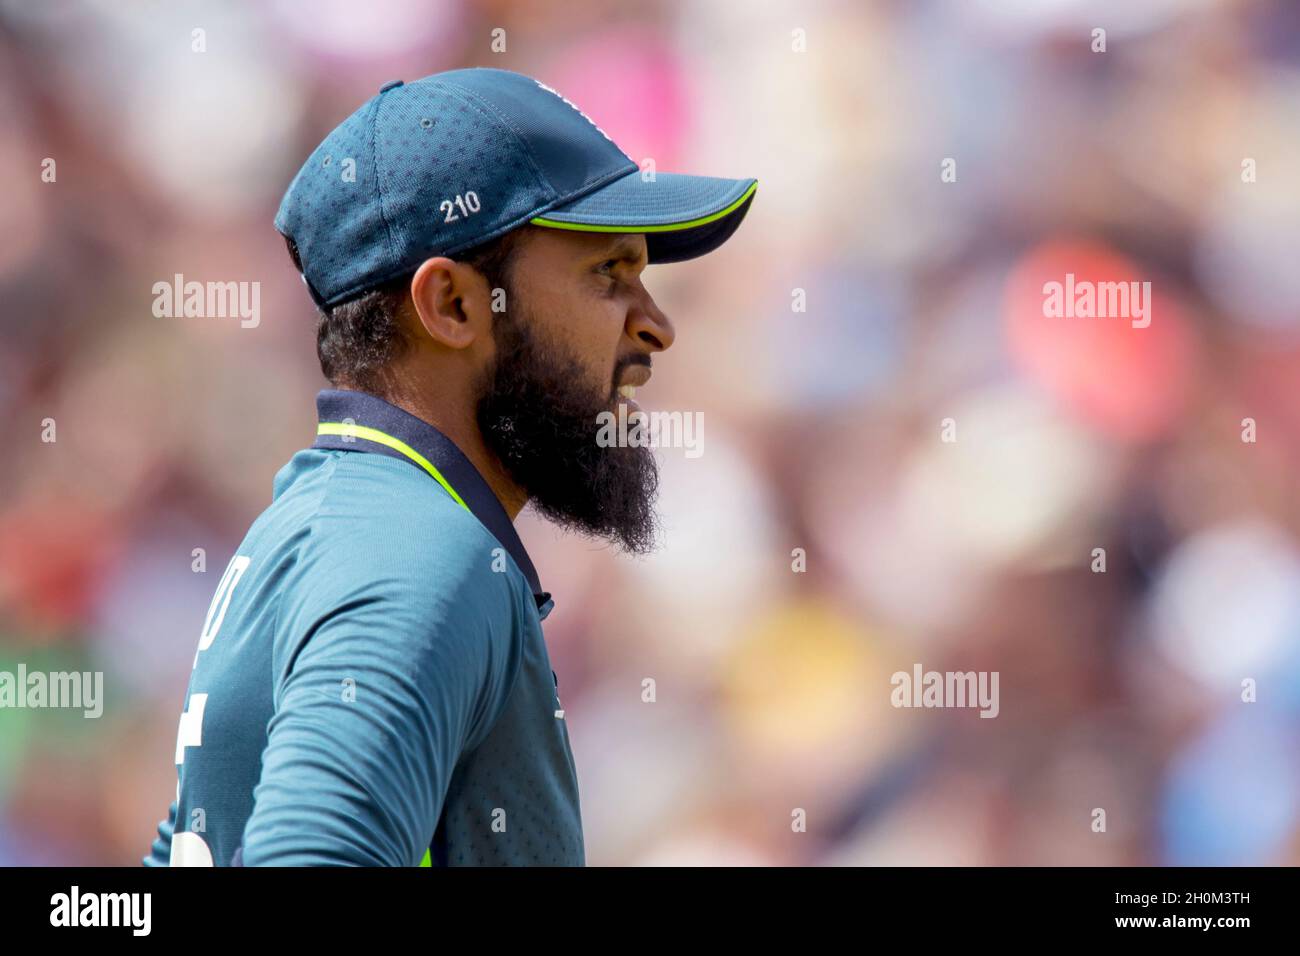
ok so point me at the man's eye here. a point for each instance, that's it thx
(605, 266)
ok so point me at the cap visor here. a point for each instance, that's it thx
(682, 216)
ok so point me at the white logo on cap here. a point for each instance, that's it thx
(550, 89)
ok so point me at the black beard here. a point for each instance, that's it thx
(540, 420)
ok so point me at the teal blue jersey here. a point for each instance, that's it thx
(371, 685)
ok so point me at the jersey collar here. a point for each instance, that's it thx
(357, 421)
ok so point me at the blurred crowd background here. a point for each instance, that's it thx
(1173, 157)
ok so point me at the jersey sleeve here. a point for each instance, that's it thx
(161, 851)
(373, 713)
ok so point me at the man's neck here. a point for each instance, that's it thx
(467, 437)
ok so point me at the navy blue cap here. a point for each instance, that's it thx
(442, 164)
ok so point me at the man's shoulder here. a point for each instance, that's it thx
(363, 519)
(364, 493)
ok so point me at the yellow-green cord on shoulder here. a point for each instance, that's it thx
(383, 438)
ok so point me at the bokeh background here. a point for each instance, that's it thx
(1119, 690)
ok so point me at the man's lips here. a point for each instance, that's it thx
(635, 376)
(632, 377)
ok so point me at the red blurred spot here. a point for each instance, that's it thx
(1128, 383)
(53, 557)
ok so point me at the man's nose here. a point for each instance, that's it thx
(647, 323)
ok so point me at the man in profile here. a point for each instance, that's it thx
(371, 685)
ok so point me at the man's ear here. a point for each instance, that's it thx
(451, 301)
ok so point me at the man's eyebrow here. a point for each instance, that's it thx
(623, 246)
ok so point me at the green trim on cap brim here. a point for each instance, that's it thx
(633, 227)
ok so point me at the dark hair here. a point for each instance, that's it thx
(356, 340)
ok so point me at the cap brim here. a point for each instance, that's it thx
(682, 216)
